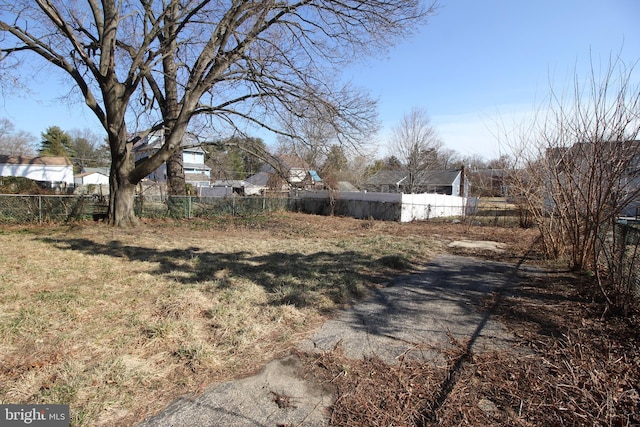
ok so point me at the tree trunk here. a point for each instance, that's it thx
(122, 190)
(175, 174)
(175, 164)
(121, 209)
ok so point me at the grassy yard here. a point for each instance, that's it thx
(117, 323)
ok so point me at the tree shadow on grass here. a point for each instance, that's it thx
(446, 298)
(291, 278)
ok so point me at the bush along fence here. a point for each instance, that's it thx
(204, 207)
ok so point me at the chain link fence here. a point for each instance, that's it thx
(205, 207)
(25, 209)
(627, 258)
(38, 209)
(30, 209)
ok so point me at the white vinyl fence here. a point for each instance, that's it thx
(382, 206)
(427, 206)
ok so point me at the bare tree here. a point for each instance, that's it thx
(310, 142)
(358, 169)
(449, 158)
(579, 167)
(415, 142)
(15, 142)
(238, 61)
(85, 41)
(313, 132)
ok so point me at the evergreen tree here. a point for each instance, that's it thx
(88, 149)
(55, 142)
(236, 158)
(336, 159)
(392, 163)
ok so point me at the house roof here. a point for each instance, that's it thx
(26, 160)
(439, 177)
(346, 186)
(387, 177)
(196, 177)
(490, 172)
(285, 163)
(235, 183)
(315, 176)
(579, 149)
(260, 179)
(396, 177)
(291, 161)
(104, 171)
(199, 166)
(83, 174)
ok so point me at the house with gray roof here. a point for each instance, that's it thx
(617, 162)
(451, 182)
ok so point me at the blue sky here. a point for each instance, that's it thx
(477, 63)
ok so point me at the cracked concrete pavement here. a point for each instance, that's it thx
(415, 315)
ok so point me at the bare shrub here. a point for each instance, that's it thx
(578, 168)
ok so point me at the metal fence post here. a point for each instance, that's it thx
(40, 209)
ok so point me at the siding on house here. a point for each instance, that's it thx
(51, 170)
(382, 206)
(193, 159)
(91, 178)
(103, 170)
(578, 159)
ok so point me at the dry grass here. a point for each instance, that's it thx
(118, 323)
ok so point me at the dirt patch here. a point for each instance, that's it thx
(482, 245)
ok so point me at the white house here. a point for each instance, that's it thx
(91, 178)
(195, 170)
(54, 171)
